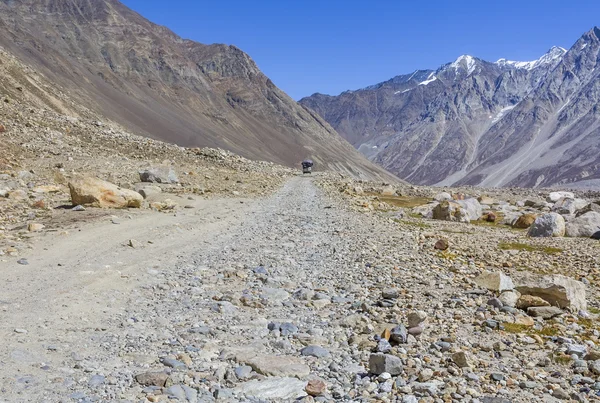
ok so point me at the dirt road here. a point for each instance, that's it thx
(251, 300)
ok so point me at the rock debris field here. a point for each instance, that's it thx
(304, 295)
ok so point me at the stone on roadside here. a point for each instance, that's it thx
(483, 199)
(472, 207)
(529, 301)
(553, 197)
(441, 244)
(442, 196)
(273, 389)
(495, 281)
(450, 211)
(35, 227)
(46, 189)
(149, 191)
(426, 210)
(399, 335)
(380, 363)
(134, 244)
(89, 191)
(547, 225)
(314, 351)
(565, 205)
(388, 191)
(243, 371)
(416, 318)
(159, 174)
(525, 221)
(561, 291)
(544, 312)
(461, 359)
(152, 379)
(585, 225)
(272, 365)
(18, 194)
(316, 387)
(509, 298)
(164, 205)
(390, 293)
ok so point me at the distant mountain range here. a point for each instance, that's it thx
(475, 122)
(120, 65)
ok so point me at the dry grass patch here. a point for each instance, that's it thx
(401, 201)
(529, 248)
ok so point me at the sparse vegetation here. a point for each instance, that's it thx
(529, 248)
(418, 224)
(401, 201)
(520, 328)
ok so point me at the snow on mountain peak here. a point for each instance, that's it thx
(554, 54)
(466, 62)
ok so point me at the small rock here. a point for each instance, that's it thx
(495, 281)
(390, 293)
(316, 387)
(314, 351)
(528, 301)
(399, 334)
(442, 244)
(96, 380)
(461, 359)
(509, 298)
(416, 318)
(243, 372)
(35, 227)
(152, 379)
(380, 363)
(544, 312)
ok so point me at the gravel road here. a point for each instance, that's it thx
(262, 300)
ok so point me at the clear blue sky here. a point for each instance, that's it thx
(329, 46)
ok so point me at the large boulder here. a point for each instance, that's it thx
(159, 174)
(486, 200)
(564, 205)
(524, 221)
(90, 191)
(595, 206)
(568, 206)
(556, 196)
(473, 208)
(586, 225)
(547, 225)
(426, 210)
(561, 291)
(388, 191)
(450, 211)
(442, 196)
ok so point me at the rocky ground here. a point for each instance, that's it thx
(232, 280)
(312, 293)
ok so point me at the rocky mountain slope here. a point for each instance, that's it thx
(474, 122)
(154, 83)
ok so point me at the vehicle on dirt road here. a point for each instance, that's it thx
(307, 166)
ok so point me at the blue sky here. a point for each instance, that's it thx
(329, 46)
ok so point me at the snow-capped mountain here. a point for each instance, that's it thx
(503, 123)
(554, 54)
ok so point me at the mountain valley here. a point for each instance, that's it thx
(528, 124)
